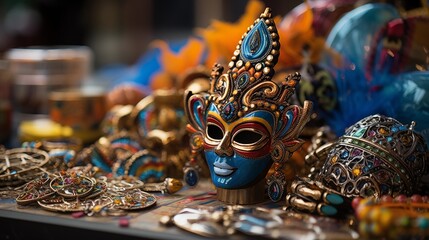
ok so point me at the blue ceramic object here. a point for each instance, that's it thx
(351, 36)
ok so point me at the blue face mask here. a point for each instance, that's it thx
(238, 153)
(245, 122)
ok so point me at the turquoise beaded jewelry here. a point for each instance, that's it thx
(311, 196)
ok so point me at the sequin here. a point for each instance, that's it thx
(383, 131)
(357, 171)
(344, 154)
(359, 133)
(356, 152)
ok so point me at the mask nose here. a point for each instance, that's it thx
(224, 149)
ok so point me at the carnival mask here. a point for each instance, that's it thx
(245, 122)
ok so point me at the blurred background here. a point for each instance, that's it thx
(347, 51)
(91, 44)
(118, 32)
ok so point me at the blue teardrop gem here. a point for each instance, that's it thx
(257, 43)
(191, 177)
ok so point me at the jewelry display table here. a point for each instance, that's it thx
(33, 222)
(25, 222)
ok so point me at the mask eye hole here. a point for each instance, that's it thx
(247, 137)
(214, 132)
